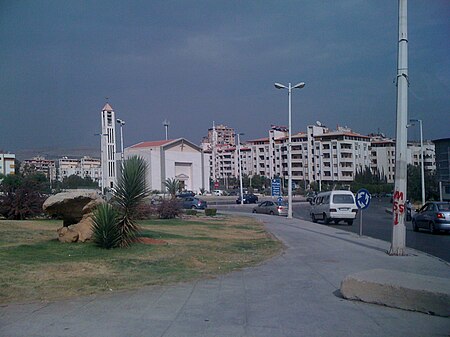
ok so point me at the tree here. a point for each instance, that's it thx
(172, 186)
(73, 181)
(22, 197)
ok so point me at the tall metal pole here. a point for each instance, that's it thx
(422, 163)
(121, 143)
(289, 88)
(290, 154)
(399, 208)
(240, 168)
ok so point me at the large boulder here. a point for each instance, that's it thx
(76, 209)
(69, 205)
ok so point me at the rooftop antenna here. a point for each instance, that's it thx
(166, 124)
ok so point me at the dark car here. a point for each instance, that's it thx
(434, 216)
(248, 199)
(193, 203)
(272, 208)
(185, 194)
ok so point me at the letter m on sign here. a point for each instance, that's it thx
(398, 195)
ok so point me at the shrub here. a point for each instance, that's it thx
(105, 228)
(145, 211)
(169, 209)
(191, 212)
(210, 211)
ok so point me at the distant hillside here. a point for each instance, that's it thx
(56, 153)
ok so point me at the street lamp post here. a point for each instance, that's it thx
(240, 167)
(121, 122)
(289, 88)
(422, 159)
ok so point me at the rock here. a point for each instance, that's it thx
(70, 205)
(76, 209)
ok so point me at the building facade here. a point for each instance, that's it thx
(175, 159)
(84, 168)
(7, 163)
(40, 164)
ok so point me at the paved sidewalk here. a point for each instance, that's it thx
(295, 294)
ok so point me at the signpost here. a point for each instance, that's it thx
(362, 202)
(276, 187)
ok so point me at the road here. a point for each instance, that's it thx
(377, 223)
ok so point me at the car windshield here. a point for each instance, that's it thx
(444, 207)
(343, 199)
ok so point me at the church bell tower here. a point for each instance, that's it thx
(108, 148)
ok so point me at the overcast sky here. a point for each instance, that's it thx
(195, 62)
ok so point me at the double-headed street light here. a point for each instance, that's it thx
(289, 88)
(421, 156)
(121, 122)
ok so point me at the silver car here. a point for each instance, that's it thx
(272, 208)
(434, 216)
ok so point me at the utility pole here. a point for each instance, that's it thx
(399, 208)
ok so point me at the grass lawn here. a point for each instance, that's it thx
(34, 265)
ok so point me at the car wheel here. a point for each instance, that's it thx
(271, 212)
(349, 222)
(193, 207)
(313, 218)
(433, 228)
(414, 224)
(254, 211)
(326, 220)
(336, 222)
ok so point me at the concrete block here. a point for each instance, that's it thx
(398, 289)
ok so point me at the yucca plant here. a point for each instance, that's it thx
(129, 194)
(105, 228)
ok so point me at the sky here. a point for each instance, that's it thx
(195, 62)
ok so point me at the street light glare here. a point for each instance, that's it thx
(299, 85)
(280, 86)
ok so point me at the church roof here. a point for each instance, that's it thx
(155, 143)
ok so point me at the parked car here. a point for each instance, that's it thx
(434, 216)
(248, 199)
(185, 194)
(193, 203)
(310, 197)
(334, 206)
(272, 208)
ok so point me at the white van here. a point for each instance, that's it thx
(334, 206)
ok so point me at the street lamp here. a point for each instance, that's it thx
(289, 88)
(121, 122)
(240, 167)
(421, 155)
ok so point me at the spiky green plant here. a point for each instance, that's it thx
(172, 186)
(130, 192)
(105, 230)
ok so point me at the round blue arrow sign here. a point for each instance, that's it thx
(362, 198)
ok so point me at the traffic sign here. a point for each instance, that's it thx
(363, 198)
(280, 199)
(276, 187)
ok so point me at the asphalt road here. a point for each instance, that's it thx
(377, 223)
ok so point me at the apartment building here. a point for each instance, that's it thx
(42, 165)
(84, 167)
(382, 156)
(7, 163)
(318, 155)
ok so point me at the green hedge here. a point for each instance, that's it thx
(211, 211)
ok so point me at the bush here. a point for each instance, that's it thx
(210, 211)
(145, 211)
(169, 209)
(191, 212)
(106, 233)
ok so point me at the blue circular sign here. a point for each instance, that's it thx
(363, 198)
(280, 199)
